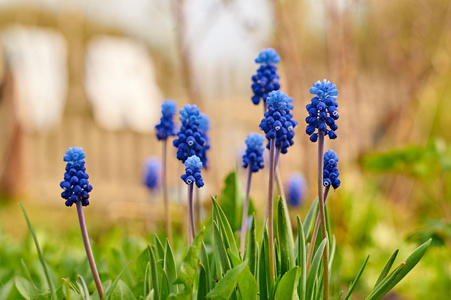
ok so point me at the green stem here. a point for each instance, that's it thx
(92, 263)
(322, 212)
(269, 209)
(191, 226)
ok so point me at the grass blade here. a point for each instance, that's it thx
(285, 239)
(113, 285)
(41, 256)
(301, 260)
(312, 274)
(353, 284)
(84, 288)
(387, 267)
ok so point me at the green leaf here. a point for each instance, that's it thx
(310, 217)
(263, 266)
(25, 288)
(224, 226)
(164, 286)
(387, 267)
(147, 280)
(354, 283)
(123, 292)
(252, 247)
(83, 287)
(159, 247)
(27, 272)
(301, 260)
(203, 283)
(154, 272)
(205, 262)
(232, 200)
(287, 287)
(285, 239)
(41, 256)
(189, 264)
(226, 286)
(399, 273)
(312, 274)
(113, 285)
(219, 247)
(169, 267)
(141, 264)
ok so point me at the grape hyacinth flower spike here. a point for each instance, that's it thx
(76, 191)
(190, 138)
(204, 126)
(322, 115)
(322, 110)
(330, 178)
(296, 189)
(165, 129)
(192, 176)
(252, 159)
(152, 168)
(266, 80)
(277, 125)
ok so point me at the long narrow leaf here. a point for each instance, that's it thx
(226, 230)
(154, 272)
(84, 288)
(387, 267)
(287, 287)
(285, 239)
(386, 285)
(226, 286)
(41, 256)
(310, 217)
(312, 274)
(219, 247)
(354, 283)
(169, 267)
(252, 247)
(113, 285)
(301, 260)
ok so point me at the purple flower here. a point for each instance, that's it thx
(167, 127)
(277, 122)
(152, 169)
(330, 173)
(266, 80)
(296, 189)
(75, 184)
(322, 110)
(254, 152)
(193, 172)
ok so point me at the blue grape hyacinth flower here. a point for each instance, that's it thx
(192, 171)
(296, 189)
(277, 122)
(204, 125)
(253, 157)
(152, 168)
(322, 110)
(167, 126)
(190, 138)
(266, 80)
(75, 184)
(330, 173)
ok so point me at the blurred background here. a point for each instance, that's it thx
(93, 74)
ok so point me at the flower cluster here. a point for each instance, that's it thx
(330, 173)
(167, 127)
(277, 122)
(192, 171)
(296, 189)
(266, 80)
(152, 173)
(204, 125)
(254, 152)
(322, 110)
(191, 139)
(75, 184)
